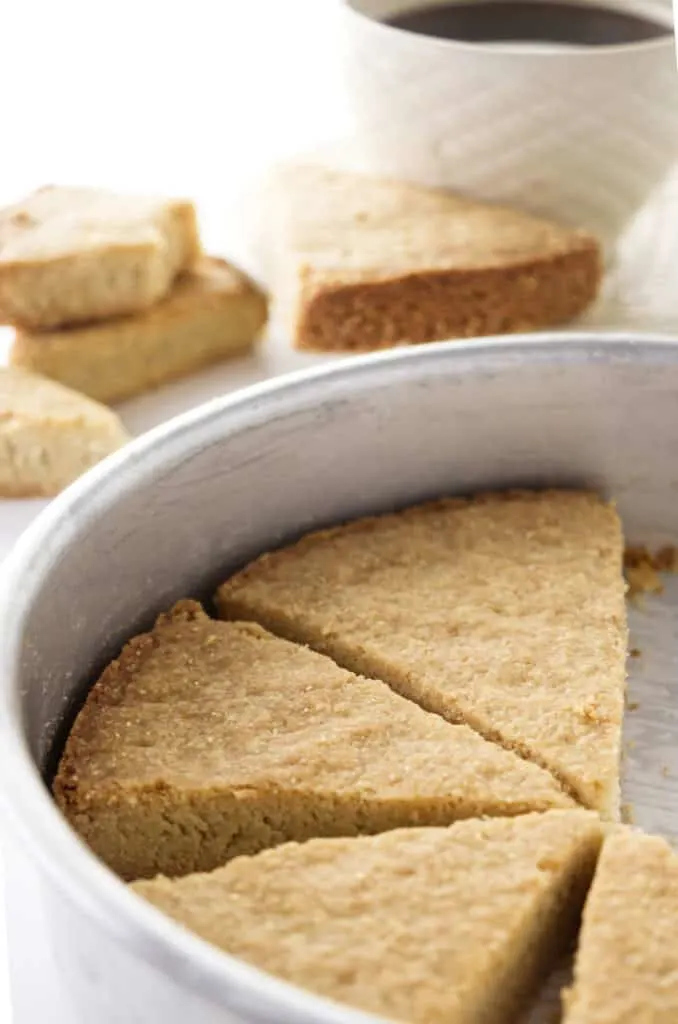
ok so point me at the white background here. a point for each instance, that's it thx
(198, 97)
(193, 97)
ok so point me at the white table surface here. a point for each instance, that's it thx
(198, 99)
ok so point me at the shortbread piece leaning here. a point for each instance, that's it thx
(626, 969)
(212, 312)
(504, 611)
(49, 435)
(69, 255)
(425, 925)
(206, 740)
(361, 263)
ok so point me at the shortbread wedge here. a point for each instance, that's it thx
(505, 612)
(49, 435)
(626, 969)
(361, 263)
(423, 926)
(209, 739)
(69, 255)
(212, 313)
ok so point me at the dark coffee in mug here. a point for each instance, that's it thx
(531, 21)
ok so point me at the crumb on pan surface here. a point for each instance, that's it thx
(643, 568)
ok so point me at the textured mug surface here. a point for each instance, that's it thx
(583, 135)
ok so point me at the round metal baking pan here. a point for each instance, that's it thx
(171, 514)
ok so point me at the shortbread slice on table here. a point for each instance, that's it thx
(69, 255)
(49, 435)
(207, 739)
(626, 968)
(359, 263)
(212, 313)
(425, 926)
(505, 612)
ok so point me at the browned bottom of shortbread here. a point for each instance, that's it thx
(436, 305)
(212, 313)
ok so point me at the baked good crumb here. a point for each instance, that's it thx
(643, 567)
(628, 812)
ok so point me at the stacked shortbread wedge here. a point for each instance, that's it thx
(112, 295)
(109, 296)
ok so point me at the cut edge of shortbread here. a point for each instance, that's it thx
(49, 434)
(176, 822)
(212, 313)
(72, 255)
(460, 924)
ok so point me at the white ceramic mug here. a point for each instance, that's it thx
(581, 134)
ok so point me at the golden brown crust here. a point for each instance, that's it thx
(109, 691)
